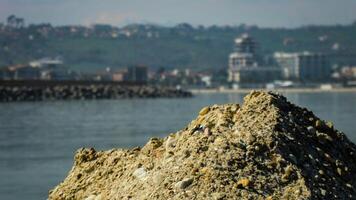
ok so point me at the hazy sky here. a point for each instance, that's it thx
(271, 13)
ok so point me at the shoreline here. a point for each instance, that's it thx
(280, 90)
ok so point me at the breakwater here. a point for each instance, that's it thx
(76, 90)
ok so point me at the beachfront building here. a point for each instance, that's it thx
(304, 66)
(119, 75)
(25, 72)
(137, 74)
(43, 69)
(46, 63)
(53, 69)
(4, 74)
(244, 67)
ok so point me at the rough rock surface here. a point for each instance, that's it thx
(266, 149)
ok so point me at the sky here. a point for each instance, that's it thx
(263, 13)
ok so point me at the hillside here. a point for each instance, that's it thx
(182, 46)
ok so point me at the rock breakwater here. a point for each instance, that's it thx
(267, 148)
(97, 91)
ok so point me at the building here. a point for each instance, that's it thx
(303, 66)
(241, 60)
(104, 75)
(245, 44)
(137, 74)
(348, 72)
(5, 74)
(53, 69)
(243, 57)
(60, 73)
(256, 74)
(119, 76)
(46, 63)
(44, 69)
(24, 72)
(244, 67)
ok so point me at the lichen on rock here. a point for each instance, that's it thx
(267, 148)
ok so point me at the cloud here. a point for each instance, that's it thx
(111, 18)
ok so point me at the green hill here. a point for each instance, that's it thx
(182, 46)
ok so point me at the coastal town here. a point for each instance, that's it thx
(246, 65)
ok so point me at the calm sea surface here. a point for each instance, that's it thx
(38, 139)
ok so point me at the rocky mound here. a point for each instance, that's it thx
(266, 149)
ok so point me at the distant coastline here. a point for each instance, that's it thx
(280, 90)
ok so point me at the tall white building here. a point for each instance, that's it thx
(243, 65)
(303, 66)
